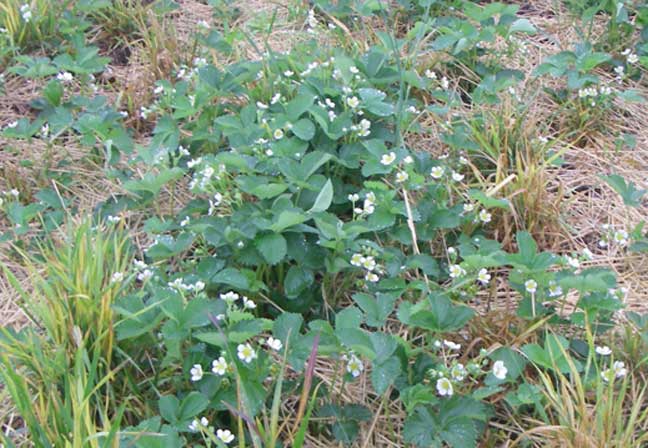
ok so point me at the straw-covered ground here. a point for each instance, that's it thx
(572, 203)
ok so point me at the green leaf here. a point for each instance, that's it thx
(631, 196)
(169, 405)
(522, 26)
(298, 105)
(324, 198)
(273, 247)
(287, 328)
(232, 277)
(348, 318)
(383, 375)
(192, 405)
(442, 316)
(304, 129)
(297, 281)
(376, 309)
(287, 219)
(153, 182)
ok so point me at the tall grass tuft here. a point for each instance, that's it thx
(59, 370)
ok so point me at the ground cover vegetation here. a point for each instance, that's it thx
(323, 223)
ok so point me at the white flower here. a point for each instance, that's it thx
(437, 172)
(288, 73)
(224, 435)
(368, 207)
(25, 12)
(353, 102)
(65, 77)
(468, 207)
(451, 345)
(354, 366)
(278, 134)
(246, 353)
(196, 372)
(458, 372)
(230, 297)
(275, 98)
(483, 276)
(185, 221)
(632, 58)
(199, 286)
(484, 216)
(354, 197)
(604, 350)
(457, 177)
(499, 370)
(369, 263)
(357, 260)
(371, 277)
(219, 366)
(554, 289)
(353, 69)
(364, 129)
(249, 304)
(144, 275)
(588, 254)
(444, 387)
(531, 286)
(456, 271)
(261, 105)
(194, 162)
(117, 277)
(196, 424)
(401, 176)
(203, 24)
(407, 160)
(430, 74)
(621, 237)
(619, 369)
(573, 262)
(274, 344)
(388, 159)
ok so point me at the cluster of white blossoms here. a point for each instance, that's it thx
(231, 298)
(202, 178)
(368, 263)
(618, 370)
(65, 77)
(591, 94)
(223, 435)
(451, 372)
(611, 236)
(631, 57)
(179, 285)
(442, 84)
(368, 206)
(143, 271)
(26, 12)
(117, 277)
